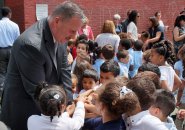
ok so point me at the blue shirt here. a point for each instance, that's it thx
(97, 124)
(178, 66)
(137, 57)
(123, 69)
(97, 65)
(9, 31)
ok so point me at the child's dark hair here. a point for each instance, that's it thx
(50, 99)
(116, 100)
(122, 54)
(80, 67)
(166, 49)
(85, 42)
(138, 45)
(144, 89)
(126, 43)
(108, 52)
(145, 34)
(90, 73)
(82, 37)
(110, 66)
(150, 67)
(165, 101)
(151, 76)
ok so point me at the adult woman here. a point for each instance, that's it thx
(85, 29)
(118, 26)
(179, 32)
(158, 17)
(108, 35)
(132, 26)
(156, 32)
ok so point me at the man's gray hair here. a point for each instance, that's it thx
(67, 10)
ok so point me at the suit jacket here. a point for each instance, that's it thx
(33, 60)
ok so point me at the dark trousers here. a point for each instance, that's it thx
(4, 59)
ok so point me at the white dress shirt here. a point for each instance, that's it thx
(64, 122)
(9, 31)
(144, 121)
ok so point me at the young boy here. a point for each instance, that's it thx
(81, 50)
(109, 70)
(123, 59)
(89, 80)
(108, 52)
(163, 106)
(137, 56)
(140, 118)
(125, 44)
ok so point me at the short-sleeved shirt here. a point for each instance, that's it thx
(132, 28)
(108, 38)
(154, 31)
(97, 65)
(123, 69)
(137, 56)
(178, 66)
(167, 74)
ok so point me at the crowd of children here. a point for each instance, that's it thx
(133, 85)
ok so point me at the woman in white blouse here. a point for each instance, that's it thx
(132, 26)
(108, 35)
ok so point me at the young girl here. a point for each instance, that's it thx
(111, 101)
(160, 54)
(179, 69)
(52, 102)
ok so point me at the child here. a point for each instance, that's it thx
(89, 80)
(111, 100)
(144, 37)
(74, 81)
(125, 44)
(150, 67)
(80, 67)
(179, 69)
(108, 52)
(52, 102)
(99, 60)
(82, 48)
(109, 70)
(137, 56)
(123, 59)
(146, 56)
(140, 118)
(151, 76)
(160, 53)
(163, 106)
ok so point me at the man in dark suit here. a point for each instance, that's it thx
(38, 55)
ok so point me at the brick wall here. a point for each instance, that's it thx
(100, 10)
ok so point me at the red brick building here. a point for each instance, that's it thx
(24, 11)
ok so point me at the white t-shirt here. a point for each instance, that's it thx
(132, 28)
(144, 121)
(108, 38)
(167, 73)
(64, 122)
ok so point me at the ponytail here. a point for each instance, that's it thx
(166, 49)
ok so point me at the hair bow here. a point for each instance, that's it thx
(124, 90)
